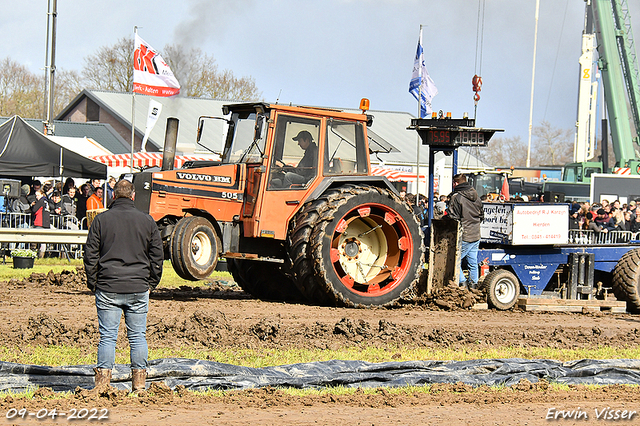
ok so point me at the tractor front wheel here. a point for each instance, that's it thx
(194, 248)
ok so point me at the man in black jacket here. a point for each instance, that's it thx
(465, 206)
(306, 168)
(123, 261)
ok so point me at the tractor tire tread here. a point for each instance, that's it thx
(626, 280)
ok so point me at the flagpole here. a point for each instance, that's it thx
(418, 137)
(133, 128)
(133, 110)
(533, 79)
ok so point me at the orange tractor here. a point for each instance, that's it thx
(292, 207)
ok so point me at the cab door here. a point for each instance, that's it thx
(292, 170)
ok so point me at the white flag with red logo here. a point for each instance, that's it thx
(151, 74)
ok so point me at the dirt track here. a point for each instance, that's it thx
(57, 309)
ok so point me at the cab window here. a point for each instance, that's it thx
(345, 152)
(248, 138)
(294, 163)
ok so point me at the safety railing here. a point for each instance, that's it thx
(579, 236)
(21, 234)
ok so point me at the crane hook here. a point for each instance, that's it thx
(476, 81)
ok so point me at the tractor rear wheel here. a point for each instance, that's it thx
(626, 280)
(195, 247)
(502, 288)
(263, 280)
(357, 246)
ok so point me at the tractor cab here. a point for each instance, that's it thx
(282, 153)
(303, 144)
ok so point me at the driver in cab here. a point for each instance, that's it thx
(306, 168)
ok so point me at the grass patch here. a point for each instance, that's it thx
(63, 355)
(169, 277)
(43, 266)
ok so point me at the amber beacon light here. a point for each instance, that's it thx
(364, 105)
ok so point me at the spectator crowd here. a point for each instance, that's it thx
(57, 205)
(604, 216)
(599, 217)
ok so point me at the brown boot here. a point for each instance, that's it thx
(138, 375)
(103, 376)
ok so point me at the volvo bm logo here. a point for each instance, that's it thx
(203, 178)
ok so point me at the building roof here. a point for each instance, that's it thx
(102, 133)
(187, 110)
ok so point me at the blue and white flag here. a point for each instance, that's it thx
(422, 86)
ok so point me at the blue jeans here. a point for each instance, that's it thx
(110, 307)
(469, 253)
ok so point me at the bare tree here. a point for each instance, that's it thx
(111, 67)
(553, 146)
(21, 91)
(505, 152)
(227, 86)
(199, 77)
(68, 85)
(193, 69)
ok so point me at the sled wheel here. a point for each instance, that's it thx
(194, 248)
(502, 288)
(626, 280)
(357, 246)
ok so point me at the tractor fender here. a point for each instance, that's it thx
(335, 181)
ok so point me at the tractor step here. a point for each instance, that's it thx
(251, 256)
(571, 305)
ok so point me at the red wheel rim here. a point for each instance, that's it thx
(371, 250)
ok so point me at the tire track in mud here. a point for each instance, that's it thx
(56, 309)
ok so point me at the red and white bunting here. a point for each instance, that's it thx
(395, 175)
(143, 159)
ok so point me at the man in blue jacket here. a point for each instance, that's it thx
(123, 261)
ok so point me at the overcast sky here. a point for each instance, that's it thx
(334, 52)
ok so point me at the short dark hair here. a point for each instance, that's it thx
(460, 178)
(123, 189)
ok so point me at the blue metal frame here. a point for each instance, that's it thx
(534, 266)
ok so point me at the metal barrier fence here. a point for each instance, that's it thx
(23, 221)
(578, 236)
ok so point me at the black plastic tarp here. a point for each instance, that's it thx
(200, 375)
(24, 151)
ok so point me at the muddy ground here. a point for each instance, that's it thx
(56, 309)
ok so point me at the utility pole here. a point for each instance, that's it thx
(50, 67)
